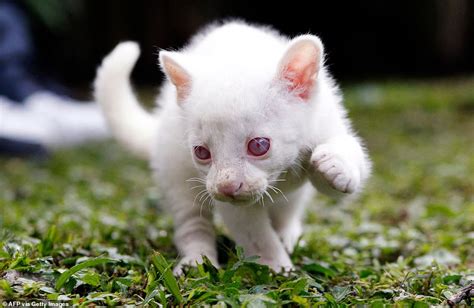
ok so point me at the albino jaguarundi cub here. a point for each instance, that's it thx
(246, 121)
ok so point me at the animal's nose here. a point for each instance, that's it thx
(230, 189)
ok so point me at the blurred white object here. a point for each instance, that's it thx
(440, 256)
(52, 120)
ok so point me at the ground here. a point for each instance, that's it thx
(83, 225)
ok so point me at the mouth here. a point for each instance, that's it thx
(236, 200)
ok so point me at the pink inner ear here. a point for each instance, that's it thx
(178, 76)
(180, 79)
(301, 79)
(300, 68)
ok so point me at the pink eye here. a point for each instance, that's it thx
(202, 153)
(258, 146)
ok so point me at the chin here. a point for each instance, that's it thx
(237, 200)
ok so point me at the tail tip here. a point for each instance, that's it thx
(123, 56)
(117, 65)
(127, 50)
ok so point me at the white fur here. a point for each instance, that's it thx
(236, 91)
(131, 125)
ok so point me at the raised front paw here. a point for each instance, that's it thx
(336, 168)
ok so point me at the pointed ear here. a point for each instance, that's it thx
(176, 74)
(300, 65)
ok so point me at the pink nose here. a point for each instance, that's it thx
(230, 189)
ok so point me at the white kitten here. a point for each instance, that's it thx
(246, 117)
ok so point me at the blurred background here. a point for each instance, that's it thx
(365, 40)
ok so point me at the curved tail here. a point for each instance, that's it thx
(132, 125)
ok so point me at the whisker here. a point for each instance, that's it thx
(295, 170)
(274, 189)
(260, 199)
(206, 194)
(210, 202)
(199, 194)
(269, 196)
(208, 197)
(196, 179)
(278, 173)
(194, 187)
(278, 191)
(279, 176)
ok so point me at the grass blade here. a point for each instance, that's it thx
(170, 281)
(89, 263)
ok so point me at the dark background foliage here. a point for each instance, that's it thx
(364, 39)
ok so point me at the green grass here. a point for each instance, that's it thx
(83, 226)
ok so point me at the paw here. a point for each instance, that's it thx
(190, 261)
(289, 236)
(336, 169)
(279, 263)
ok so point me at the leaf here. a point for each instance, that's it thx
(91, 278)
(252, 272)
(47, 244)
(165, 269)
(240, 252)
(300, 286)
(48, 290)
(301, 301)
(421, 305)
(6, 287)
(316, 268)
(452, 279)
(20, 262)
(385, 293)
(211, 269)
(340, 293)
(366, 272)
(70, 284)
(256, 300)
(442, 210)
(330, 298)
(89, 263)
(149, 297)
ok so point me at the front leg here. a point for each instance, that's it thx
(251, 228)
(194, 232)
(340, 166)
(287, 215)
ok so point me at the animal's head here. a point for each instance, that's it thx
(245, 128)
